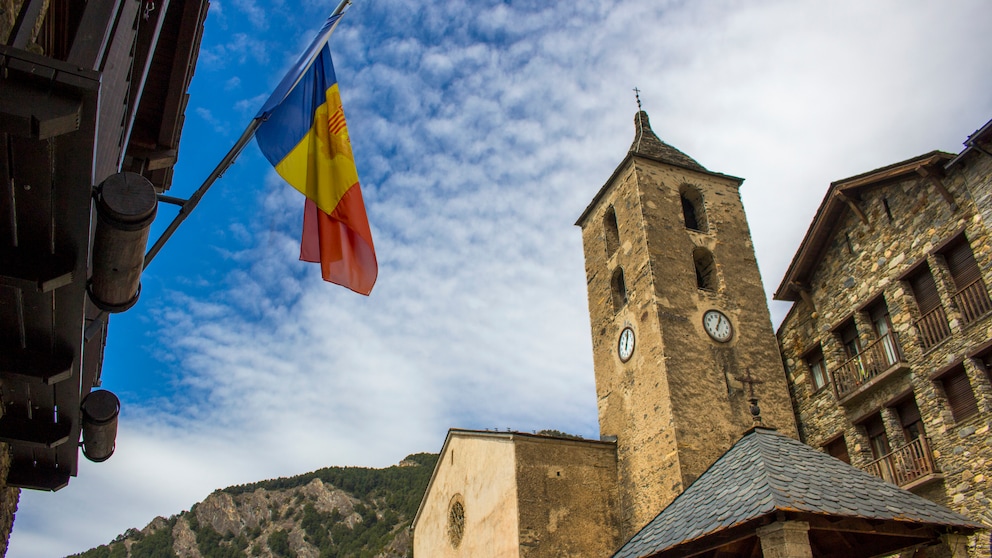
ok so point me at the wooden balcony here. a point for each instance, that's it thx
(973, 301)
(908, 466)
(880, 356)
(932, 328)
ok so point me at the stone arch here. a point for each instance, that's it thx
(693, 209)
(612, 231)
(706, 278)
(619, 288)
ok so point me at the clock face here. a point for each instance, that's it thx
(718, 326)
(625, 346)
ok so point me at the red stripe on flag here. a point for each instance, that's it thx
(336, 123)
(341, 242)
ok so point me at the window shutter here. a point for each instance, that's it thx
(962, 265)
(838, 449)
(959, 395)
(909, 413)
(925, 291)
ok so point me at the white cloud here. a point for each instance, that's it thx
(482, 130)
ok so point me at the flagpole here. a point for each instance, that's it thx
(187, 206)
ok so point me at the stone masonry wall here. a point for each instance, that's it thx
(865, 263)
(567, 497)
(648, 472)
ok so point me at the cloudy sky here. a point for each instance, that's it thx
(481, 130)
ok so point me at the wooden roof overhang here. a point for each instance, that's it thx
(980, 140)
(830, 536)
(843, 196)
(64, 117)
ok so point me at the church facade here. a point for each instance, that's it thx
(683, 349)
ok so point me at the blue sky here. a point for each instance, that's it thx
(481, 130)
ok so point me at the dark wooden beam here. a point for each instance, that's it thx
(39, 271)
(35, 365)
(95, 29)
(16, 428)
(187, 47)
(29, 475)
(933, 174)
(27, 21)
(803, 291)
(853, 205)
(36, 111)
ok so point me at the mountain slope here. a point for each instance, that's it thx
(334, 512)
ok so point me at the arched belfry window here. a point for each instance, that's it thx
(611, 230)
(693, 210)
(705, 269)
(619, 288)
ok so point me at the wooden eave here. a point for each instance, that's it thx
(975, 143)
(153, 145)
(836, 202)
(63, 119)
(626, 161)
(830, 536)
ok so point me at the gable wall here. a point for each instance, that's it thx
(478, 470)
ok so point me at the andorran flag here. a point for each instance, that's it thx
(304, 135)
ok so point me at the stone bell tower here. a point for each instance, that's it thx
(678, 314)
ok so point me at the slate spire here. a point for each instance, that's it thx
(646, 143)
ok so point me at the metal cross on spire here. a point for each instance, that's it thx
(750, 380)
(637, 95)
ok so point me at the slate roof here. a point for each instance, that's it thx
(648, 144)
(765, 472)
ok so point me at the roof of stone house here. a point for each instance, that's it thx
(838, 200)
(646, 144)
(766, 472)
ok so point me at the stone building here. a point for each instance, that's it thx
(551, 496)
(888, 344)
(683, 349)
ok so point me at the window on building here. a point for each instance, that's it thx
(984, 362)
(838, 448)
(817, 369)
(932, 325)
(909, 419)
(611, 230)
(619, 287)
(877, 440)
(884, 348)
(705, 269)
(957, 390)
(693, 210)
(970, 295)
(848, 334)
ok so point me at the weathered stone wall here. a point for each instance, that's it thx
(676, 405)
(865, 262)
(567, 498)
(648, 469)
(479, 471)
(8, 500)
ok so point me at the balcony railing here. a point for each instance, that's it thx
(932, 328)
(906, 464)
(973, 301)
(876, 358)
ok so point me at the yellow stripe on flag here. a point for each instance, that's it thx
(321, 165)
